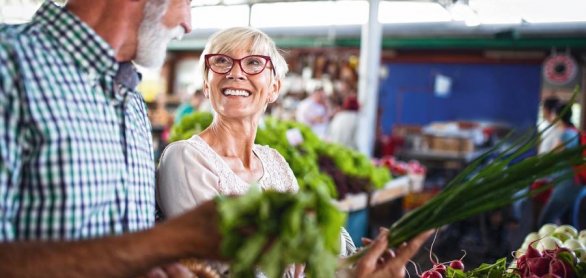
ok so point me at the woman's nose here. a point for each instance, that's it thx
(236, 72)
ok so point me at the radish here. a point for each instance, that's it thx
(532, 252)
(521, 263)
(538, 266)
(558, 267)
(431, 274)
(457, 264)
(440, 268)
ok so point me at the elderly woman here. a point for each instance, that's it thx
(242, 72)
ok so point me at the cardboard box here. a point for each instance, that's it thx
(450, 144)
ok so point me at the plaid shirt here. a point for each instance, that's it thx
(75, 145)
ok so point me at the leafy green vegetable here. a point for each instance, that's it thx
(288, 228)
(496, 270)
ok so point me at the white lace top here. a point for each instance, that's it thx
(191, 172)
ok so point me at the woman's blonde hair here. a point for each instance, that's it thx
(230, 39)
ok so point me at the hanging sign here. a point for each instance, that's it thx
(560, 69)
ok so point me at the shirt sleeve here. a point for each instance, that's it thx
(569, 138)
(185, 179)
(10, 148)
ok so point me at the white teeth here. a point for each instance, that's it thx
(242, 93)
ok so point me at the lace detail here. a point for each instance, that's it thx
(276, 172)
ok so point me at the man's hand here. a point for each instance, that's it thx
(379, 262)
(175, 270)
(197, 232)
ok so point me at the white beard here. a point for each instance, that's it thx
(153, 36)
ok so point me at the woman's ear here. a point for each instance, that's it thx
(275, 87)
(206, 89)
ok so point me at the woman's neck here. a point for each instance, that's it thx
(232, 139)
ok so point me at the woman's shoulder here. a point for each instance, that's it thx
(268, 154)
(193, 146)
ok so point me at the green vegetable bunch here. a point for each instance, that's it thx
(496, 270)
(191, 124)
(482, 187)
(287, 228)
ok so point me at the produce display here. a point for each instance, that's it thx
(289, 228)
(558, 251)
(314, 162)
(552, 252)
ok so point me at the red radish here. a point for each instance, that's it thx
(532, 252)
(457, 264)
(538, 266)
(561, 269)
(431, 274)
(522, 263)
(440, 268)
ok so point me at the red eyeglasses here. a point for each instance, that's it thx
(251, 65)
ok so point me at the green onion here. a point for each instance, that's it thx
(481, 188)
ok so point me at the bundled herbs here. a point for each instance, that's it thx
(274, 230)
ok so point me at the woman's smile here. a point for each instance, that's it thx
(236, 92)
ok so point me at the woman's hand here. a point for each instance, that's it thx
(378, 262)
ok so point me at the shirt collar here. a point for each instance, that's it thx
(84, 45)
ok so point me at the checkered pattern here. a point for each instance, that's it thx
(75, 147)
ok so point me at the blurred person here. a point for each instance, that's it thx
(564, 194)
(76, 161)
(313, 111)
(242, 72)
(548, 142)
(342, 129)
(551, 135)
(190, 106)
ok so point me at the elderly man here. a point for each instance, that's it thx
(76, 165)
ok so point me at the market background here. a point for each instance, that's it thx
(439, 82)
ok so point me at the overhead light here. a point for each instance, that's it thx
(215, 17)
(205, 3)
(461, 11)
(495, 11)
(286, 14)
(411, 12)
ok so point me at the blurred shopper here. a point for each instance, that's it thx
(566, 190)
(342, 129)
(313, 111)
(190, 106)
(76, 166)
(551, 135)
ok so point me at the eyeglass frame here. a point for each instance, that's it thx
(234, 60)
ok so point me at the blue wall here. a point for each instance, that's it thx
(506, 93)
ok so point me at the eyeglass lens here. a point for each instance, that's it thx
(250, 64)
